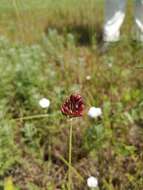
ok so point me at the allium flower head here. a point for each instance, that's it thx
(73, 106)
(92, 182)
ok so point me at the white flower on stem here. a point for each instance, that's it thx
(94, 112)
(92, 182)
(44, 103)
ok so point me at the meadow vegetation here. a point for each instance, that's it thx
(49, 49)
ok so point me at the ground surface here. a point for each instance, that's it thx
(49, 49)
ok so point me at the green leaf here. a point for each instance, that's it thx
(8, 184)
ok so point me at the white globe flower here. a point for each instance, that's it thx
(88, 77)
(110, 65)
(94, 112)
(44, 103)
(92, 182)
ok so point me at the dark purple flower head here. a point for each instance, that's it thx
(73, 106)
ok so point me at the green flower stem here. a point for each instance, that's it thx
(94, 188)
(72, 168)
(32, 117)
(70, 156)
(38, 116)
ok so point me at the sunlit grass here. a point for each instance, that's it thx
(26, 20)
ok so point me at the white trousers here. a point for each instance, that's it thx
(114, 17)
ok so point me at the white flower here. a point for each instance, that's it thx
(44, 103)
(88, 77)
(110, 65)
(92, 182)
(94, 112)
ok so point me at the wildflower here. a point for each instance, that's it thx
(88, 77)
(94, 112)
(110, 65)
(92, 182)
(44, 103)
(73, 106)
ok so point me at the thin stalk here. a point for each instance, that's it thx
(15, 5)
(38, 116)
(72, 168)
(32, 117)
(70, 156)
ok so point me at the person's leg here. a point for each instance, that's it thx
(114, 17)
(139, 19)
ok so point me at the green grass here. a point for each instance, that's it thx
(26, 21)
(49, 49)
